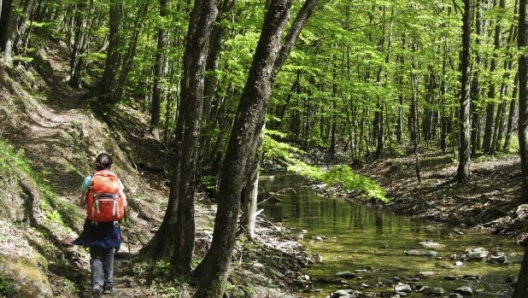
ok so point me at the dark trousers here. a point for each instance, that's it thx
(102, 264)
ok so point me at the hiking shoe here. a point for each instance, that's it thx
(108, 291)
(97, 292)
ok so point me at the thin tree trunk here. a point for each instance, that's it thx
(128, 60)
(108, 81)
(490, 108)
(155, 111)
(8, 32)
(513, 101)
(399, 80)
(511, 115)
(250, 206)
(464, 153)
(215, 48)
(26, 13)
(476, 90)
(79, 46)
(295, 89)
(414, 111)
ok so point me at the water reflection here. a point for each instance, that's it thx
(369, 237)
(303, 207)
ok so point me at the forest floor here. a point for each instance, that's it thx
(489, 201)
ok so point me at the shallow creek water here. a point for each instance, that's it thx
(371, 243)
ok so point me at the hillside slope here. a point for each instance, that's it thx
(50, 137)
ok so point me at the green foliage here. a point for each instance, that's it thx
(514, 144)
(70, 287)
(13, 164)
(6, 287)
(344, 175)
(24, 59)
(209, 182)
(11, 160)
(337, 175)
(161, 273)
(275, 149)
(54, 216)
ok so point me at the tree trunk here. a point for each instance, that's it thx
(502, 127)
(22, 22)
(414, 115)
(215, 49)
(79, 46)
(155, 111)
(476, 90)
(178, 221)
(247, 125)
(128, 61)
(8, 32)
(521, 289)
(463, 172)
(192, 87)
(523, 99)
(211, 102)
(399, 82)
(511, 115)
(281, 109)
(444, 119)
(490, 108)
(250, 197)
(108, 81)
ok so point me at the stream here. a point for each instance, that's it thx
(380, 251)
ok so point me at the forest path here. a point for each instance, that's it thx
(56, 129)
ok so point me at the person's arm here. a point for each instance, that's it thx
(82, 199)
(85, 186)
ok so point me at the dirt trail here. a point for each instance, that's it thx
(56, 132)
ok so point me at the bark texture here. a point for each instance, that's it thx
(246, 128)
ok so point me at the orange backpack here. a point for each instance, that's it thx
(103, 202)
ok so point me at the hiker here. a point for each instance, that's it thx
(102, 195)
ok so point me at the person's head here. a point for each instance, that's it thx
(103, 162)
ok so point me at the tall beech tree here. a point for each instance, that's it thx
(521, 288)
(522, 42)
(464, 152)
(179, 216)
(476, 89)
(491, 102)
(155, 111)
(242, 142)
(108, 82)
(188, 129)
(253, 170)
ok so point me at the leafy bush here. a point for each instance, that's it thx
(6, 287)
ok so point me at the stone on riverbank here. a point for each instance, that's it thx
(345, 274)
(464, 291)
(420, 252)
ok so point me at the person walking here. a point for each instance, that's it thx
(102, 194)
